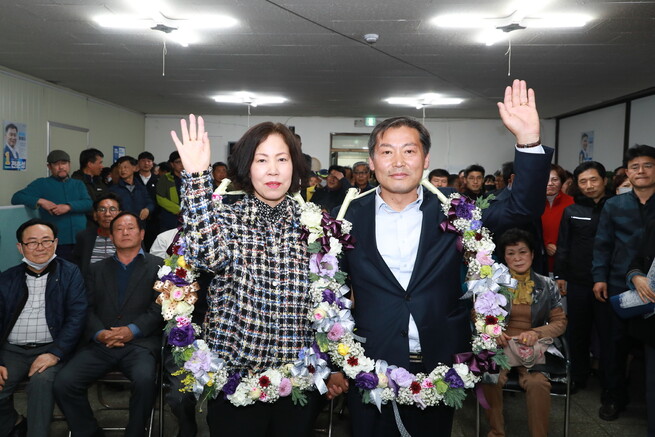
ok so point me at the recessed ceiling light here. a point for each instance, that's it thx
(247, 98)
(424, 100)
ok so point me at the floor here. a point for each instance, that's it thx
(584, 421)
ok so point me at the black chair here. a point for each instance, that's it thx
(559, 371)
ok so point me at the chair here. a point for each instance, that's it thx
(116, 377)
(560, 381)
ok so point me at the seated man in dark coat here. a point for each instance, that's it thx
(42, 312)
(123, 332)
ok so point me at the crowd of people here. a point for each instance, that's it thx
(82, 302)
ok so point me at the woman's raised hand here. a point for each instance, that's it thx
(194, 148)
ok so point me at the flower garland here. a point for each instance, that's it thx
(206, 375)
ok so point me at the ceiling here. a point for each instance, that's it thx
(313, 53)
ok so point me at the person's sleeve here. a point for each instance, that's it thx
(603, 246)
(81, 201)
(563, 246)
(93, 322)
(163, 199)
(639, 264)
(556, 324)
(147, 200)
(75, 317)
(28, 196)
(205, 223)
(525, 201)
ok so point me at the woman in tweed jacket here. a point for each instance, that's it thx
(259, 298)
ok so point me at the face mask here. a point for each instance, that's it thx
(39, 266)
(623, 190)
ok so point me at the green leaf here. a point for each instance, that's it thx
(322, 341)
(314, 247)
(366, 396)
(455, 397)
(501, 359)
(483, 202)
(340, 277)
(298, 397)
(314, 277)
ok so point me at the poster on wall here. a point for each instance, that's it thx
(14, 152)
(119, 152)
(586, 147)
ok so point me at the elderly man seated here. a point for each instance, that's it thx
(42, 311)
(123, 331)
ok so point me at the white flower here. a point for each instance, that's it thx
(163, 271)
(311, 216)
(346, 227)
(335, 247)
(274, 376)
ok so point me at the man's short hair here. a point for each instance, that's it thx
(452, 178)
(11, 126)
(360, 163)
(128, 158)
(218, 164)
(589, 165)
(396, 122)
(34, 222)
(146, 155)
(438, 173)
(165, 167)
(124, 213)
(89, 155)
(174, 156)
(638, 151)
(110, 196)
(474, 167)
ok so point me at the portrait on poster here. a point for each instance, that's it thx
(14, 152)
(586, 147)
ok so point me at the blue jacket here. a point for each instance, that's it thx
(65, 304)
(621, 227)
(133, 201)
(69, 191)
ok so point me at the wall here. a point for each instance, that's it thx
(34, 102)
(455, 143)
(642, 128)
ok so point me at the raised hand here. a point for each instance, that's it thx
(194, 149)
(519, 112)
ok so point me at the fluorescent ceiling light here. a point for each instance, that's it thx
(558, 20)
(123, 22)
(424, 100)
(246, 98)
(490, 37)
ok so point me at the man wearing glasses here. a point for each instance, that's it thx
(42, 312)
(94, 243)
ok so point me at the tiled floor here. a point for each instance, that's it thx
(584, 421)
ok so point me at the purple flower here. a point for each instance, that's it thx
(490, 304)
(367, 381)
(323, 264)
(232, 383)
(181, 336)
(463, 210)
(329, 296)
(476, 224)
(453, 379)
(180, 282)
(317, 351)
(402, 377)
(199, 362)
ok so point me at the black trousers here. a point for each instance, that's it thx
(183, 404)
(580, 302)
(93, 362)
(280, 419)
(367, 421)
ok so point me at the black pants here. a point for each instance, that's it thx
(90, 364)
(280, 419)
(367, 421)
(580, 301)
(183, 405)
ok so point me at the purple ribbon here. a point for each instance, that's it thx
(480, 363)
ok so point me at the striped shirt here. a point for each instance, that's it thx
(102, 248)
(259, 299)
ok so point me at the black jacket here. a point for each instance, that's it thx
(644, 329)
(575, 243)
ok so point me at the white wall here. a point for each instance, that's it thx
(608, 127)
(455, 143)
(642, 125)
(34, 102)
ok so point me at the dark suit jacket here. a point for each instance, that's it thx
(382, 306)
(139, 306)
(85, 240)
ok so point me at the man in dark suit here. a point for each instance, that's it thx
(404, 271)
(124, 329)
